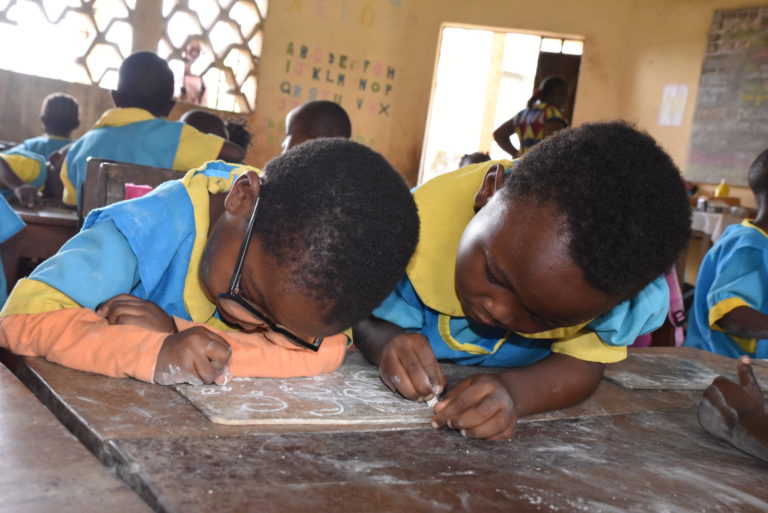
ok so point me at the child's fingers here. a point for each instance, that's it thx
(418, 378)
(500, 426)
(747, 378)
(218, 352)
(431, 367)
(107, 305)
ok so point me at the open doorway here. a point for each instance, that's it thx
(483, 77)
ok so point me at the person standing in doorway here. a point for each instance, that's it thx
(540, 119)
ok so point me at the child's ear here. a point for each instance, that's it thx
(243, 193)
(494, 179)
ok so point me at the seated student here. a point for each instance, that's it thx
(736, 412)
(552, 269)
(315, 119)
(473, 158)
(160, 288)
(205, 122)
(238, 132)
(23, 174)
(729, 315)
(10, 225)
(59, 115)
(136, 132)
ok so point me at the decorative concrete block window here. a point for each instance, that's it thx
(213, 46)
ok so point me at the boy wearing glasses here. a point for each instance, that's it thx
(223, 272)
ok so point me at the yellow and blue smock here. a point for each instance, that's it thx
(10, 225)
(425, 300)
(733, 273)
(30, 167)
(136, 136)
(44, 144)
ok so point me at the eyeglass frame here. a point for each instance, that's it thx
(232, 293)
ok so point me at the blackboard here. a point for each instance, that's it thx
(730, 124)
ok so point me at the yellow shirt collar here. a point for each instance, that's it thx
(198, 185)
(121, 117)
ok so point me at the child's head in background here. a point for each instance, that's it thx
(758, 177)
(473, 158)
(334, 229)
(238, 132)
(145, 82)
(60, 114)
(585, 221)
(206, 122)
(313, 120)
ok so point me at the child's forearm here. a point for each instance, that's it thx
(745, 322)
(371, 335)
(7, 177)
(270, 356)
(79, 339)
(558, 381)
(751, 436)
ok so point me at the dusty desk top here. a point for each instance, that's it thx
(623, 449)
(50, 215)
(45, 468)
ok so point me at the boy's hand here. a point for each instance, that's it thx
(480, 407)
(726, 403)
(127, 309)
(193, 356)
(27, 194)
(408, 366)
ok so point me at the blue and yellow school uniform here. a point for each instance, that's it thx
(425, 300)
(734, 273)
(10, 225)
(30, 167)
(44, 144)
(136, 136)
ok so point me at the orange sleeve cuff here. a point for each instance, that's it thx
(79, 339)
(270, 355)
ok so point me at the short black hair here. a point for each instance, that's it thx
(206, 122)
(323, 118)
(337, 213)
(758, 174)
(238, 132)
(146, 82)
(60, 114)
(473, 158)
(623, 199)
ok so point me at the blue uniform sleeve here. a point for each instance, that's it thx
(642, 314)
(402, 307)
(93, 266)
(743, 276)
(10, 222)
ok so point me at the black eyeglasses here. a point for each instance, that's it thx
(240, 308)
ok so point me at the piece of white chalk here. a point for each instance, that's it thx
(432, 402)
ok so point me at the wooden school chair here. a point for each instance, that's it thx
(105, 182)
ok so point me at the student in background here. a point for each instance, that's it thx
(542, 118)
(735, 412)
(22, 174)
(729, 315)
(238, 132)
(136, 132)
(536, 269)
(59, 115)
(205, 122)
(10, 225)
(223, 269)
(315, 119)
(473, 158)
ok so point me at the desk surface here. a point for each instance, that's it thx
(56, 216)
(44, 468)
(622, 450)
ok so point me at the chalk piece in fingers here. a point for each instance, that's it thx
(432, 402)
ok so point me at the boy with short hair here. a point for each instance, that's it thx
(22, 174)
(206, 122)
(315, 119)
(729, 315)
(60, 114)
(552, 266)
(136, 132)
(218, 271)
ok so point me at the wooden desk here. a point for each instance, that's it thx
(622, 450)
(48, 228)
(44, 468)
